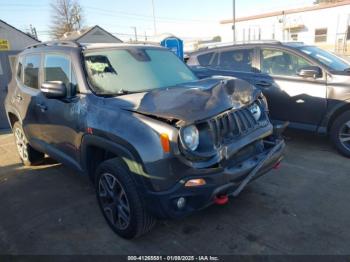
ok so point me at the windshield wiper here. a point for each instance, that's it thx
(121, 92)
(127, 92)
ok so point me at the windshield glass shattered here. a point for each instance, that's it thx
(121, 71)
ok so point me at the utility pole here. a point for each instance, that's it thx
(33, 32)
(135, 31)
(283, 26)
(234, 20)
(154, 19)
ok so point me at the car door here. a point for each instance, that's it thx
(59, 118)
(25, 96)
(236, 62)
(300, 100)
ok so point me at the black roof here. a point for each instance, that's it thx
(247, 44)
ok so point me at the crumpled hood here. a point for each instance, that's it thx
(193, 101)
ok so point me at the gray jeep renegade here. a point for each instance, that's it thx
(156, 141)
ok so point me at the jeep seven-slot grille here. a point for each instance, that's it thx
(232, 124)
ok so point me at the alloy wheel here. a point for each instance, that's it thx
(114, 201)
(21, 144)
(344, 135)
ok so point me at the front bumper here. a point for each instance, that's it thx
(230, 180)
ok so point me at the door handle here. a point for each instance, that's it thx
(263, 84)
(42, 107)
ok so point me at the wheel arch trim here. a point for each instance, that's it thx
(128, 154)
(330, 117)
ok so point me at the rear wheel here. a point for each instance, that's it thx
(119, 200)
(29, 156)
(340, 133)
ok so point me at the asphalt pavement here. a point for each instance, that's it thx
(302, 208)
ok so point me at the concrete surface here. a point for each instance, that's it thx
(303, 208)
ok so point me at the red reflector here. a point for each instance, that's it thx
(277, 165)
(89, 130)
(221, 199)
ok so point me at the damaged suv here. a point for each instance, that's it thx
(156, 141)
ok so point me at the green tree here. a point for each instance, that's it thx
(217, 38)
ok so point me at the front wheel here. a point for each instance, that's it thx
(120, 203)
(29, 156)
(340, 133)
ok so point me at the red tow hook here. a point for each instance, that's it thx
(221, 199)
(277, 165)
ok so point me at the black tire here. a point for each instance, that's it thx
(339, 131)
(121, 200)
(29, 156)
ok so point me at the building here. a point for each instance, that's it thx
(12, 41)
(325, 25)
(94, 34)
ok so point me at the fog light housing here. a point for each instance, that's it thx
(195, 182)
(181, 202)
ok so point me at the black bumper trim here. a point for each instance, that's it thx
(230, 181)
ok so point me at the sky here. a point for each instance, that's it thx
(188, 19)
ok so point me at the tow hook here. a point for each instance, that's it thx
(221, 199)
(277, 165)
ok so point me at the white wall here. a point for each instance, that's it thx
(334, 19)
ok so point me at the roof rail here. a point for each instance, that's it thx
(293, 43)
(55, 43)
(209, 46)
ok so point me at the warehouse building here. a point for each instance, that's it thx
(12, 41)
(325, 25)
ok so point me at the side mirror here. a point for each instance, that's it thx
(310, 71)
(54, 89)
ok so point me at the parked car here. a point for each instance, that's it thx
(305, 85)
(156, 141)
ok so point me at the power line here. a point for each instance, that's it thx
(110, 13)
(149, 17)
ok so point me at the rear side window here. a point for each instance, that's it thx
(239, 60)
(57, 68)
(204, 60)
(31, 71)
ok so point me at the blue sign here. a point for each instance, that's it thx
(174, 44)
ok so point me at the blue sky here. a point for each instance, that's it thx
(185, 18)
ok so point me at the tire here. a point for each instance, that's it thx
(28, 155)
(121, 205)
(340, 132)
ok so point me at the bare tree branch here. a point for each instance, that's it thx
(67, 16)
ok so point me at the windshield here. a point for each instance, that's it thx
(119, 71)
(332, 61)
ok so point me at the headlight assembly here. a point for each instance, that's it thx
(256, 111)
(189, 137)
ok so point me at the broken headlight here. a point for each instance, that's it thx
(189, 137)
(256, 111)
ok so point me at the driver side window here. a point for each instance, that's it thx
(281, 63)
(58, 68)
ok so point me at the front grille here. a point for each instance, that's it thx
(232, 124)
